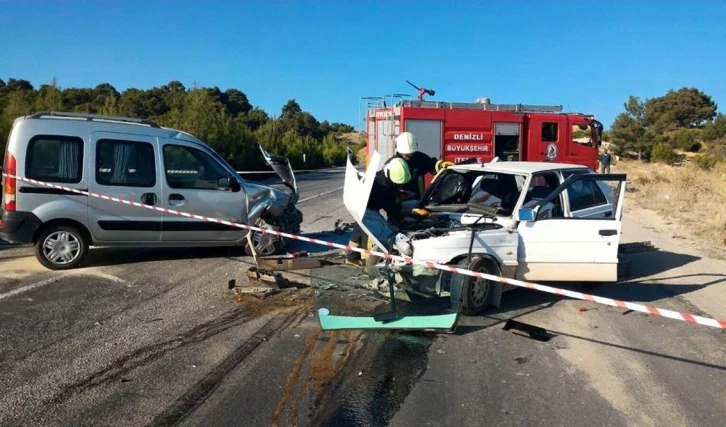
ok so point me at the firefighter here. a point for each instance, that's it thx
(384, 195)
(419, 163)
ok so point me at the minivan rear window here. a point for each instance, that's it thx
(55, 158)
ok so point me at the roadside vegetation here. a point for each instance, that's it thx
(673, 149)
(224, 119)
(672, 146)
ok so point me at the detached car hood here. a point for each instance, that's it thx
(261, 197)
(357, 191)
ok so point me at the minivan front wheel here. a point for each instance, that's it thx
(265, 244)
(61, 247)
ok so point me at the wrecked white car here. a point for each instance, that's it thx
(532, 221)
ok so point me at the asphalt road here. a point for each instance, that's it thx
(154, 337)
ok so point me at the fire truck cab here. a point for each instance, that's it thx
(481, 131)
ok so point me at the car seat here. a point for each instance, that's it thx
(539, 193)
(535, 195)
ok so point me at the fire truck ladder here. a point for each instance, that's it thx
(364, 106)
(392, 118)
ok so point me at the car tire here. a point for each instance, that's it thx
(472, 295)
(272, 247)
(370, 266)
(61, 247)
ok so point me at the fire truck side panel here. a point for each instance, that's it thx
(468, 134)
(428, 135)
(421, 114)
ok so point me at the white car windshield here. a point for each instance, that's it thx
(495, 190)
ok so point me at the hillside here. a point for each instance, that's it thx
(687, 196)
(224, 119)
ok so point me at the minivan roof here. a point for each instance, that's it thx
(99, 122)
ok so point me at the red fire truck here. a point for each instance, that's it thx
(480, 131)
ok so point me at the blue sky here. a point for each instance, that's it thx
(588, 56)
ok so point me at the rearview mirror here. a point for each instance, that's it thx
(224, 182)
(228, 183)
(526, 214)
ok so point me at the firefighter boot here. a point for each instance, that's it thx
(352, 257)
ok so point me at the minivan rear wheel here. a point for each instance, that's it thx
(61, 247)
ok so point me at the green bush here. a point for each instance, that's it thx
(707, 162)
(334, 152)
(686, 139)
(663, 153)
(715, 129)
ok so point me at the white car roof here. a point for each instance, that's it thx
(517, 167)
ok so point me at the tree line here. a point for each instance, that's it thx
(656, 129)
(226, 120)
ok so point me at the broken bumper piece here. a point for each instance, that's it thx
(346, 298)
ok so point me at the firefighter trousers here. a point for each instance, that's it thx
(377, 225)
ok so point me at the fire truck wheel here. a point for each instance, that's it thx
(472, 295)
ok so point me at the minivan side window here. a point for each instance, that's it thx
(125, 163)
(53, 158)
(190, 168)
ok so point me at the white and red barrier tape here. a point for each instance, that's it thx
(689, 318)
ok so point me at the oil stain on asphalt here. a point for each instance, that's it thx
(374, 385)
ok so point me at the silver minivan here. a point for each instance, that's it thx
(139, 161)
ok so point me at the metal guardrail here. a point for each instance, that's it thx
(326, 170)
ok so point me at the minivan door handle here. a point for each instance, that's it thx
(148, 199)
(608, 232)
(176, 199)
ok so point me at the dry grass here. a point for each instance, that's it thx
(684, 194)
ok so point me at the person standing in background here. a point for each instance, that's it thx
(605, 160)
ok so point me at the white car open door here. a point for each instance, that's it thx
(554, 245)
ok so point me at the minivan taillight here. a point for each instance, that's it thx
(9, 184)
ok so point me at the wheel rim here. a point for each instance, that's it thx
(61, 248)
(478, 291)
(265, 244)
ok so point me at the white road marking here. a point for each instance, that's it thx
(31, 287)
(92, 272)
(319, 195)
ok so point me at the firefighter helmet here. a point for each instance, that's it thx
(397, 171)
(406, 143)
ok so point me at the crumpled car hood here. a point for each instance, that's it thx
(281, 166)
(261, 198)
